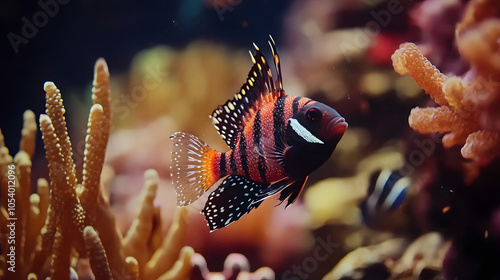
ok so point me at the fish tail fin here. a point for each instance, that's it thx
(193, 167)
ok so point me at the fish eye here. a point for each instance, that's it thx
(313, 114)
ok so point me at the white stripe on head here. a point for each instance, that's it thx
(303, 132)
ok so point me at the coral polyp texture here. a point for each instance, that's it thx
(466, 112)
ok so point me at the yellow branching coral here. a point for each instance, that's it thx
(136, 241)
(135, 244)
(78, 217)
(94, 158)
(469, 106)
(17, 209)
(67, 215)
(28, 133)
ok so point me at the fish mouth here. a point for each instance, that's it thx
(337, 127)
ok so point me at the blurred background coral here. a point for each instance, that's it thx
(172, 62)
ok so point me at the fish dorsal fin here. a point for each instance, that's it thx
(229, 119)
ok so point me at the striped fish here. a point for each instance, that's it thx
(386, 192)
(276, 141)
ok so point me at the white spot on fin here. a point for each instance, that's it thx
(303, 132)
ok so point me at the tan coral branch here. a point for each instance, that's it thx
(47, 234)
(94, 159)
(97, 255)
(181, 268)
(23, 174)
(23, 190)
(60, 262)
(55, 110)
(56, 163)
(135, 242)
(166, 255)
(44, 194)
(5, 160)
(33, 226)
(2, 139)
(97, 133)
(4, 218)
(131, 268)
(101, 95)
(28, 134)
(111, 238)
(68, 212)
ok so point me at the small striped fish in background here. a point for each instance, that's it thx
(386, 192)
(276, 141)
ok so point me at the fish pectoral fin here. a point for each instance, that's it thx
(235, 197)
(278, 149)
(293, 190)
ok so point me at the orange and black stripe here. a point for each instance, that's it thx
(247, 158)
(243, 155)
(295, 105)
(257, 137)
(278, 119)
(222, 165)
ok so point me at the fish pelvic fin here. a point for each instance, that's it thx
(193, 167)
(287, 188)
(293, 191)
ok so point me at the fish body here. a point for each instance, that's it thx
(386, 193)
(276, 141)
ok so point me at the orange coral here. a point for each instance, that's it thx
(469, 105)
(409, 60)
(477, 12)
(464, 114)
